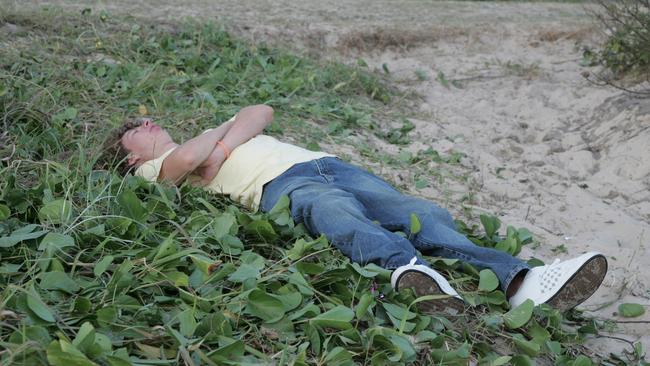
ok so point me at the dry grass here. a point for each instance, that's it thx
(554, 35)
(381, 39)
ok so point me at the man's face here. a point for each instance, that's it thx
(145, 142)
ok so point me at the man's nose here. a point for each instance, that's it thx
(146, 122)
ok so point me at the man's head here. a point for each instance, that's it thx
(135, 142)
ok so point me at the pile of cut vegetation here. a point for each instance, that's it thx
(96, 268)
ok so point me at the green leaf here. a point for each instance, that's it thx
(421, 184)
(252, 258)
(631, 310)
(97, 230)
(63, 353)
(201, 261)
(300, 247)
(488, 281)
(404, 345)
(53, 241)
(261, 228)
(508, 245)
(491, 225)
(582, 361)
(290, 300)
(177, 278)
(230, 350)
(494, 297)
(177, 336)
(55, 212)
(639, 350)
(122, 278)
(529, 348)
(313, 146)
(500, 361)
(281, 205)
(85, 337)
(5, 212)
(106, 316)
(132, 206)
(244, 272)
(19, 235)
(554, 347)
(213, 325)
(82, 305)
(34, 333)
(524, 235)
(519, 316)
(102, 265)
(415, 224)
(58, 281)
(264, 306)
(538, 333)
(231, 245)
(224, 225)
(337, 356)
(364, 303)
(397, 311)
(314, 337)
(66, 115)
(339, 317)
(522, 360)
(425, 336)
(366, 271)
(455, 357)
(168, 247)
(188, 323)
(119, 361)
(299, 281)
(39, 308)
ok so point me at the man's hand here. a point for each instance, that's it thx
(250, 122)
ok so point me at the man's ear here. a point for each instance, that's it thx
(133, 159)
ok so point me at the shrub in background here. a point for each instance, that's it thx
(627, 50)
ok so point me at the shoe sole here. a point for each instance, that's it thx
(581, 285)
(424, 285)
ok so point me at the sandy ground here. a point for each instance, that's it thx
(546, 149)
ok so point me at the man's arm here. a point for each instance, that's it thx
(191, 154)
(248, 123)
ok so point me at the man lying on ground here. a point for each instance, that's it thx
(357, 211)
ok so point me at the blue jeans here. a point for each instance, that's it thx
(358, 212)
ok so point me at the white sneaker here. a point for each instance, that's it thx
(563, 285)
(426, 281)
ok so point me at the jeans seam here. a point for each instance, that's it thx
(443, 247)
(323, 170)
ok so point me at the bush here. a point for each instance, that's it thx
(627, 50)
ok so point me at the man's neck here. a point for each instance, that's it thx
(159, 150)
